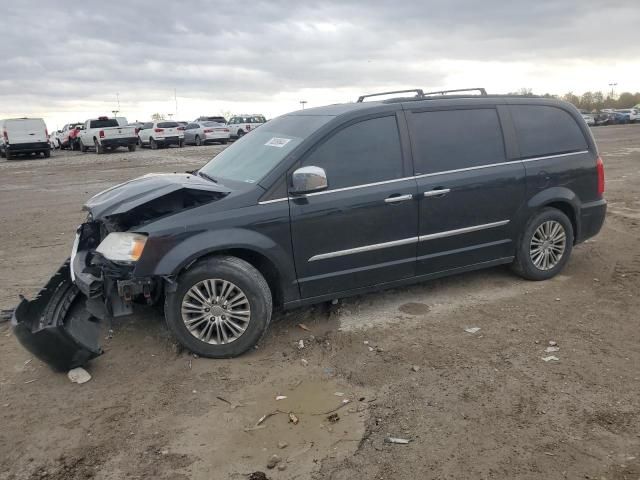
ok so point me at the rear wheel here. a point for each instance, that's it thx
(2, 154)
(99, 148)
(47, 153)
(240, 133)
(180, 143)
(132, 147)
(221, 308)
(153, 144)
(198, 141)
(545, 245)
(223, 142)
(8, 154)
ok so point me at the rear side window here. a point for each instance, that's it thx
(365, 152)
(454, 139)
(543, 130)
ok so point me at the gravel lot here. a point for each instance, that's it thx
(476, 406)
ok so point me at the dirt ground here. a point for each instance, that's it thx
(478, 405)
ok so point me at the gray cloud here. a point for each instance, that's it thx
(56, 52)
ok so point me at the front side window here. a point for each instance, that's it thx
(362, 153)
(455, 139)
(543, 130)
(255, 155)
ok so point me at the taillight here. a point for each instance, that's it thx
(226, 130)
(101, 133)
(208, 130)
(180, 128)
(158, 130)
(600, 169)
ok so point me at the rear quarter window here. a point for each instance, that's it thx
(543, 130)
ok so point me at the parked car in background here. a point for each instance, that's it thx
(161, 134)
(201, 133)
(240, 125)
(631, 113)
(214, 118)
(619, 118)
(137, 125)
(589, 119)
(104, 133)
(327, 203)
(21, 136)
(601, 118)
(64, 136)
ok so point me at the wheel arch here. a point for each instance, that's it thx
(561, 199)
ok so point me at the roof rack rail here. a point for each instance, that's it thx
(443, 92)
(421, 94)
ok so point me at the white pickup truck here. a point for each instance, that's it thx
(105, 133)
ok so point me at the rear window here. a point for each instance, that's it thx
(212, 124)
(110, 122)
(168, 124)
(454, 139)
(542, 130)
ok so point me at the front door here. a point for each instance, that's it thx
(362, 230)
(470, 193)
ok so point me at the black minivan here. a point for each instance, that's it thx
(321, 204)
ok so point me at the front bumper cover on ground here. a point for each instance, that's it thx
(55, 326)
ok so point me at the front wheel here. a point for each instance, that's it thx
(83, 148)
(545, 246)
(221, 308)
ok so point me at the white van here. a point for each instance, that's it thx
(23, 136)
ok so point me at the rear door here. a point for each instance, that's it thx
(26, 130)
(362, 231)
(470, 192)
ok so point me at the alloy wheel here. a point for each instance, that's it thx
(216, 311)
(548, 245)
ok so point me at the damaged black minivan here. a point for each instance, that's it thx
(325, 203)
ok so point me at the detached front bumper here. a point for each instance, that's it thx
(55, 326)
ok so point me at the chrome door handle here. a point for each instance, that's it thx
(438, 192)
(399, 198)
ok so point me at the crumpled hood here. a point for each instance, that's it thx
(126, 196)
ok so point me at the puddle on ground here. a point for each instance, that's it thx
(414, 308)
(230, 443)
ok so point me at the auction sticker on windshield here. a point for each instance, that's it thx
(278, 142)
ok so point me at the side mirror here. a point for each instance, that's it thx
(308, 180)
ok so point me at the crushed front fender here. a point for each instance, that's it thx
(55, 326)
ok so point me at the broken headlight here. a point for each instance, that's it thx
(122, 246)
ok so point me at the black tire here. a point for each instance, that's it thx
(198, 141)
(153, 144)
(8, 155)
(2, 154)
(249, 280)
(99, 148)
(83, 148)
(47, 153)
(132, 147)
(180, 143)
(240, 133)
(224, 142)
(524, 264)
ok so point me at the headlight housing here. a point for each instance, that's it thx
(122, 246)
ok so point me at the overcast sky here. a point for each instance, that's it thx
(70, 60)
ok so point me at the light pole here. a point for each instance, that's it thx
(303, 103)
(613, 86)
(115, 112)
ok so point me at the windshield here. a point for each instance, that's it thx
(254, 155)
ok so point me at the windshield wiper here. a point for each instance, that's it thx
(208, 177)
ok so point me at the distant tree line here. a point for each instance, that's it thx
(591, 101)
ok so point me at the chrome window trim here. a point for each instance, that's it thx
(407, 241)
(424, 175)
